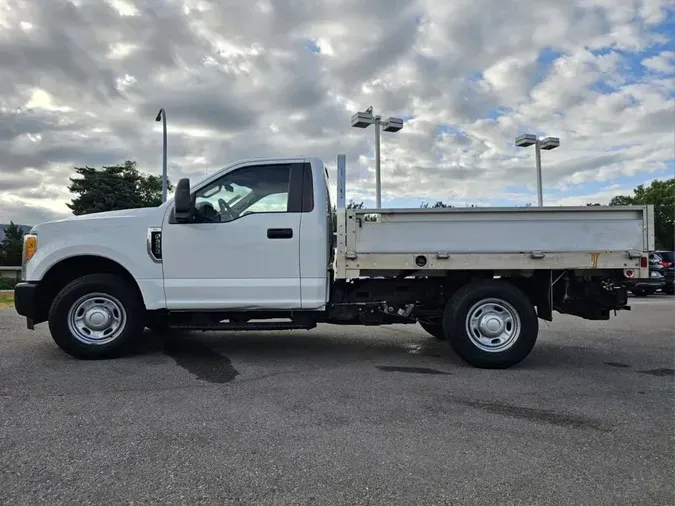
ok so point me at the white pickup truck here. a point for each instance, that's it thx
(252, 247)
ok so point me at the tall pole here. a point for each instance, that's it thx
(363, 119)
(378, 180)
(164, 171)
(540, 193)
(162, 115)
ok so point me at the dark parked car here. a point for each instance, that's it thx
(668, 265)
(641, 287)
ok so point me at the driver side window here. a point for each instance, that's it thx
(252, 189)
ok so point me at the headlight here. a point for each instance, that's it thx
(655, 274)
(30, 245)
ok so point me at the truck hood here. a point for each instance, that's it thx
(151, 215)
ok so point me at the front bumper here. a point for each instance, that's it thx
(25, 301)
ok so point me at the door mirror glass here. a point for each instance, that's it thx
(183, 201)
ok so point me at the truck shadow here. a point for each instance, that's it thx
(326, 348)
(316, 346)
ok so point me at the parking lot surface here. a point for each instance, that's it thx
(342, 415)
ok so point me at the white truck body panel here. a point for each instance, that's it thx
(230, 265)
(316, 243)
(503, 230)
(498, 239)
(495, 239)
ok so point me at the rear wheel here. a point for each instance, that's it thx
(641, 293)
(491, 324)
(434, 328)
(96, 316)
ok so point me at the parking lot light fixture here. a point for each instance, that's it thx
(547, 143)
(363, 119)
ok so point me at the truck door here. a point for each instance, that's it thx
(243, 251)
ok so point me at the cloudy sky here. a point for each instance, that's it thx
(82, 80)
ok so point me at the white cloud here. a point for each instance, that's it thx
(663, 62)
(81, 83)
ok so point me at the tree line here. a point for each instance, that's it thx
(110, 188)
(124, 186)
(660, 193)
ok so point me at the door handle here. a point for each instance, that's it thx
(279, 233)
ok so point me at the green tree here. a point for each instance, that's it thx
(114, 187)
(437, 205)
(11, 247)
(661, 194)
(352, 205)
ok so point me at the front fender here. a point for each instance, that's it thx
(133, 258)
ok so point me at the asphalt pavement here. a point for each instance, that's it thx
(342, 415)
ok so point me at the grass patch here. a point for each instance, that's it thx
(7, 283)
(6, 300)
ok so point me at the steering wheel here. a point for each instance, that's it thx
(225, 208)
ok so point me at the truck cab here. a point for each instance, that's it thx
(258, 237)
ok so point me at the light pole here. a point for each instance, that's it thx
(547, 143)
(364, 120)
(161, 116)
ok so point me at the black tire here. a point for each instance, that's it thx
(510, 299)
(640, 293)
(435, 329)
(117, 296)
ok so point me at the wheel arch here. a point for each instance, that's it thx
(68, 269)
(536, 286)
(538, 289)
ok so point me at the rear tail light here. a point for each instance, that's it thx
(644, 262)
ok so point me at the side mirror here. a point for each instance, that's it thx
(183, 201)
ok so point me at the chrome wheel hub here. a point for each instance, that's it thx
(493, 325)
(97, 319)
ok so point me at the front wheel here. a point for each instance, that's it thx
(641, 293)
(96, 316)
(491, 324)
